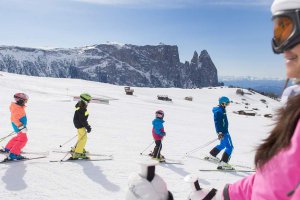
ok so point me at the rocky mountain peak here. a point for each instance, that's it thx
(120, 64)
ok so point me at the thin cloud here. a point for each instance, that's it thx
(178, 3)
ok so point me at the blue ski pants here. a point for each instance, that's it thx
(226, 144)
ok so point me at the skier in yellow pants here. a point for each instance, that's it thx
(80, 122)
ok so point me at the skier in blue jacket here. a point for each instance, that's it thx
(221, 125)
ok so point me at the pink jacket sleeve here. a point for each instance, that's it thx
(241, 189)
(279, 176)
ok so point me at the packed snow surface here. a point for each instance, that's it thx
(122, 128)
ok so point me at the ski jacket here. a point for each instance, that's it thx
(220, 119)
(18, 116)
(158, 131)
(275, 179)
(81, 115)
(290, 92)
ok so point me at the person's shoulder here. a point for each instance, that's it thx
(217, 109)
(290, 91)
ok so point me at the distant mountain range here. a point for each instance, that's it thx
(267, 85)
(131, 65)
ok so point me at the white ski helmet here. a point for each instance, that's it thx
(286, 18)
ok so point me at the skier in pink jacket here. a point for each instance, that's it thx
(277, 159)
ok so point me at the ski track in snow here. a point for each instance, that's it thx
(122, 128)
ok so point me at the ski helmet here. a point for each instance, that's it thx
(224, 100)
(159, 114)
(286, 18)
(85, 97)
(21, 98)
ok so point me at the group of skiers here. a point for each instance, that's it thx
(19, 123)
(277, 159)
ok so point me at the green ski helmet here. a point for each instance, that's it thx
(85, 97)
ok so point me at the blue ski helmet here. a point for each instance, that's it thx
(224, 100)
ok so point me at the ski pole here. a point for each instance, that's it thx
(3, 138)
(61, 145)
(74, 146)
(146, 148)
(200, 147)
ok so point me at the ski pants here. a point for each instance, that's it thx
(16, 144)
(226, 144)
(157, 149)
(81, 141)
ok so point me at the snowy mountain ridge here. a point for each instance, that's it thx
(119, 64)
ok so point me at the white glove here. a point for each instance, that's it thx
(22, 129)
(199, 193)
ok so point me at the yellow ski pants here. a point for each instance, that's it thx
(81, 141)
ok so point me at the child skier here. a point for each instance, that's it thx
(80, 122)
(221, 125)
(19, 123)
(158, 134)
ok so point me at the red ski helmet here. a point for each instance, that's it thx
(21, 98)
(159, 114)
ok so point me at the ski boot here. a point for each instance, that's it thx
(13, 156)
(212, 158)
(4, 150)
(77, 156)
(161, 158)
(225, 166)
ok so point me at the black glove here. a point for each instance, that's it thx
(88, 128)
(220, 135)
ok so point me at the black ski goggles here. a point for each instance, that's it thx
(286, 30)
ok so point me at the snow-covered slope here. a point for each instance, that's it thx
(122, 128)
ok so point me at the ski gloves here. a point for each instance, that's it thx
(88, 128)
(22, 128)
(220, 135)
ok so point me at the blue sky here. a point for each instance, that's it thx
(236, 33)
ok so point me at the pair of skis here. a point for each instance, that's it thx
(40, 155)
(100, 157)
(235, 166)
(166, 160)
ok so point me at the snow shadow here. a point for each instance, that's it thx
(203, 181)
(95, 174)
(14, 177)
(178, 170)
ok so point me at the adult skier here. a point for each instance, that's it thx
(221, 125)
(158, 133)
(277, 159)
(80, 122)
(19, 124)
(147, 185)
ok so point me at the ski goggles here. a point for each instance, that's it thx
(286, 30)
